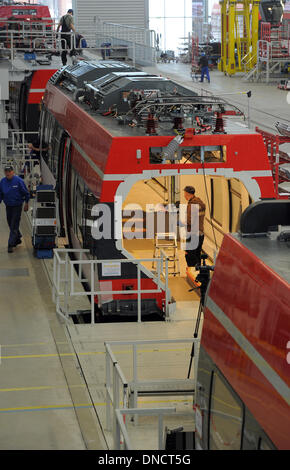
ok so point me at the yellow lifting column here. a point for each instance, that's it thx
(239, 35)
(255, 30)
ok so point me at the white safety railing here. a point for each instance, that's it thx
(136, 44)
(122, 435)
(116, 389)
(61, 281)
(142, 36)
(136, 387)
(67, 273)
(27, 168)
(140, 42)
(20, 142)
(41, 42)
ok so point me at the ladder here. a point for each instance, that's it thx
(167, 242)
(44, 222)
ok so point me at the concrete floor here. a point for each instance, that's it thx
(39, 379)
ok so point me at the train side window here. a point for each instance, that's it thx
(264, 445)
(79, 193)
(207, 154)
(188, 155)
(72, 198)
(43, 122)
(226, 417)
(235, 204)
(90, 201)
(55, 146)
(46, 126)
(217, 206)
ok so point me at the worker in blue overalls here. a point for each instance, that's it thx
(203, 63)
(13, 192)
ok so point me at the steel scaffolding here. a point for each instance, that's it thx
(240, 29)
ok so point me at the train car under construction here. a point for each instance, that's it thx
(20, 26)
(13, 15)
(243, 381)
(134, 138)
(26, 96)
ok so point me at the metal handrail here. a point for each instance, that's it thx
(113, 384)
(69, 279)
(135, 384)
(121, 425)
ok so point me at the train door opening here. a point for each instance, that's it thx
(225, 200)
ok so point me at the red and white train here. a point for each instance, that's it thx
(110, 136)
(21, 24)
(243, 382)
(13, 15)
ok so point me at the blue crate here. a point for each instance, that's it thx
(29, 56)
(44, 254)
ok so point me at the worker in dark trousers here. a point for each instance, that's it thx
(192, 256)
(66, 24)
(203, 63)
(13, 192)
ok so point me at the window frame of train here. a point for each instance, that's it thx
(18, 12)
(217, 375)
(234, 217)
(189, 155)
(214, 216)
(82, 220)
(264, 444)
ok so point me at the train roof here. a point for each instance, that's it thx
(246, 320)
(274, 254)
(128, 102)
(265, 231)
(86, 71)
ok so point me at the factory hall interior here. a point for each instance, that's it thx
(145, 227)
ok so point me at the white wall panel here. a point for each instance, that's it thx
(128, 12)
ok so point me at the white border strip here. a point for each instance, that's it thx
(264, 367)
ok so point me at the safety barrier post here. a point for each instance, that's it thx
(54, 278)
(66, 286)
(135, 378)
(108, 388)
(134, 54)
(92, 294)
(160, 431)
(166, 288)
(139, 293)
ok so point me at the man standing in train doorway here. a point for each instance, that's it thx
(67, 25)
(192, 256)
(13, 192)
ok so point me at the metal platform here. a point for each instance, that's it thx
(42, 388)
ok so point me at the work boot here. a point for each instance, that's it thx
(10, 249)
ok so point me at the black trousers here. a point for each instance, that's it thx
(13, 214)
(65, 44)
(193, 256)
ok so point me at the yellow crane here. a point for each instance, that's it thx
(240, 34)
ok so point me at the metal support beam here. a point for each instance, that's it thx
(239, 25)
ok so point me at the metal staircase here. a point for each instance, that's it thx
(273, 51)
